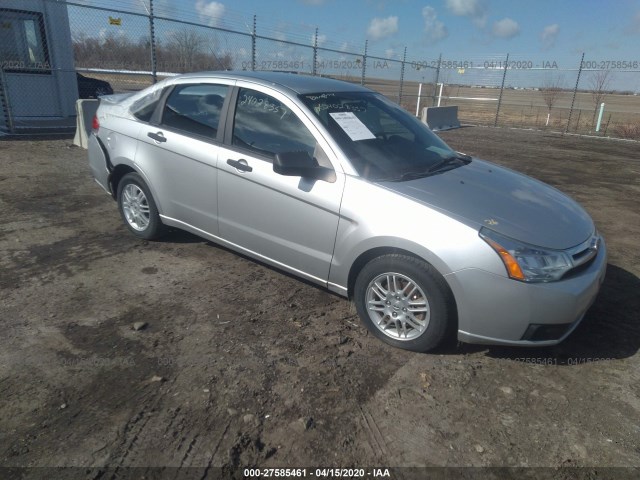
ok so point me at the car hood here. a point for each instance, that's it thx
(505, 201)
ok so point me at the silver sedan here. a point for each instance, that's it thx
(336, 184)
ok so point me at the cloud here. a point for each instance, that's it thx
(434, 29)
(464, 8)
(211, 12)
(321, 39)
(382, 27)
(505, 28)
(476, 10)
(549, 35)
(279, 35)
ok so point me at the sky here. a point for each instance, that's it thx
(455, 28)
(536, 33)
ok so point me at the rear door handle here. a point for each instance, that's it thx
(240, 165)
(158, 137)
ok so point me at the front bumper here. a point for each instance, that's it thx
(496, 310)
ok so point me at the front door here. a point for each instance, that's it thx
(289, 221)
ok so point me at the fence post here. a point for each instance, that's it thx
(575, 91)
(606, 126)
(152, 44)
(435, 83)
(504, 77)
(315, 53)
(253, 45)
(404, 59)
(364, 62)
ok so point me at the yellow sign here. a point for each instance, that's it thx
(115, 21)
(461, 71)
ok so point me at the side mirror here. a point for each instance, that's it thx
(301, 164)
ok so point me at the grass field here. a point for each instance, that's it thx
(523, 108)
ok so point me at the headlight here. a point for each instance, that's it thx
(527, 263)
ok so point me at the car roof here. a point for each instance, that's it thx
(298, 83)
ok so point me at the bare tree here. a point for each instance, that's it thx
(179, 51)
(551, 89)
(218, 61)
(186, 45)
(599, 83)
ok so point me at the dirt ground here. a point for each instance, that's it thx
(242, 366)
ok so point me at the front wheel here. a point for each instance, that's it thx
(404, 302)
(138, 209)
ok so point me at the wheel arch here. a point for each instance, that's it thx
(368, 255)
(116, 175)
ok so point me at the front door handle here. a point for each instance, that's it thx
(158, 137)
(240, 165)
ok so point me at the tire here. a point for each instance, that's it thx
(404, 302)
(138, 209)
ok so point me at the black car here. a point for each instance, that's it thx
(92, 87)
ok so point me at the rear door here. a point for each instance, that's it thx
(178, 153)
(289, 221)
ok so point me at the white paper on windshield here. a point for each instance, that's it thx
(352, 126)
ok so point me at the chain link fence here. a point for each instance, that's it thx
(281, 55)
(128, 46)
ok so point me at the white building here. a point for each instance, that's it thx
(38, 86)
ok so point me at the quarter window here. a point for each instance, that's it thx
(267, 126)
(195, 109)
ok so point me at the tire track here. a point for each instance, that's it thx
(374, 436)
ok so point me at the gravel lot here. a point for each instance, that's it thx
(241, 365)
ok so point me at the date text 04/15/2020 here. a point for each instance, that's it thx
(318, 472)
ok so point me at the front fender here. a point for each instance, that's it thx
(372, 217)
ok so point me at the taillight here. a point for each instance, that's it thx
(95, 124)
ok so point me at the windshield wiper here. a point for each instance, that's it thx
(441, 166)
(445, 163)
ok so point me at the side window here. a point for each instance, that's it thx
(144, 107)
(266, 126)
(195, 109)
(22, 42)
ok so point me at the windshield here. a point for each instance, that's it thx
(382, 141)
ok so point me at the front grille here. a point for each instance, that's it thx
(583, 255)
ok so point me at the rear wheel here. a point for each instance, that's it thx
(138, 208)
(404, 302)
